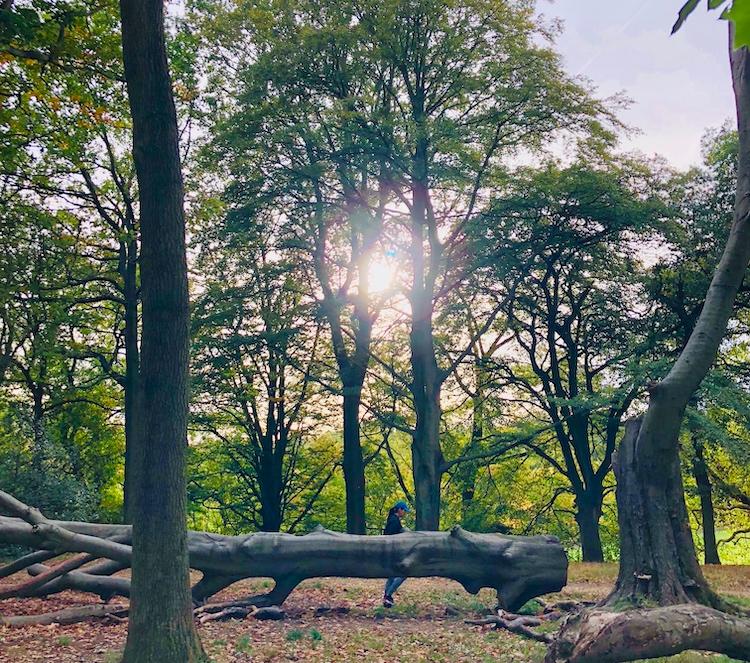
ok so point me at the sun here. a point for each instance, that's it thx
(382, 274)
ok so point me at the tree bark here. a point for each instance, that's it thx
(132, 367)
(657, 556)
(588, 513)
(708, 519)
(603, 636)
(517, 567)
(161, 628)
(353, 464)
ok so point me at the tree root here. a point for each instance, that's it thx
(602, 636)
(518, 624)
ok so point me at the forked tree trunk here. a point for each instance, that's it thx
(161, 628)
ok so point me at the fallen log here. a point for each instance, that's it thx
(67, 616)
(81, 581)
(602, 636)
(517, 567)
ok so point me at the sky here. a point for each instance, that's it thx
(679, 85)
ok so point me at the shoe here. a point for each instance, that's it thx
(387, 601)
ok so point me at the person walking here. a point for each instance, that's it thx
(393, 525)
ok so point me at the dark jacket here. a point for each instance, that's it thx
(393, 524)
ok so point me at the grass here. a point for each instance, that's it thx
(416, 630)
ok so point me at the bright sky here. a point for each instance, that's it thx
(679, 85)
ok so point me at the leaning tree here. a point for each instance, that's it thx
(658, 563)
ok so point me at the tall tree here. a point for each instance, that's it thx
(161, 628)
(574, 318)
(298, 150)
(256, 381)
(657, 554)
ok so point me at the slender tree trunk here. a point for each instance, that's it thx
(427, 457)
(37, 430)
(588, 513)
(132, 368)
(466, 472)
(161, 628)
(708, 520)
(354, 466)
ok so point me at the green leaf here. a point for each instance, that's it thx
(715, 4)
(684, 12)
(739, 14)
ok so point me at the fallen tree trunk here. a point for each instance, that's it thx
(603, 636)
(518, 568)
(67, 616)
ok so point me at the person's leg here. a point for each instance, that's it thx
(395, 584)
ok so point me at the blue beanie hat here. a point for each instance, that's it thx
(401, 505)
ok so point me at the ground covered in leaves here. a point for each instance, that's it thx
(427, 624)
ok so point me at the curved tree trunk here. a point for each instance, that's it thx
(161, 628)
(657, 555)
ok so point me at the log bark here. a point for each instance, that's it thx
(67, 616)
(603, 636)
(103, 586)
(518, 568)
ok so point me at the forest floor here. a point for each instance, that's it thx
(416, 629)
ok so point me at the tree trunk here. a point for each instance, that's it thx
(354, 466)
(161, 626)
(518, 567)
(603, 636)
(658, 559)
(708, 520)
(132, 368)
(588, 513)
(657, 556)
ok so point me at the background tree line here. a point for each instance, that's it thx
(419, 266)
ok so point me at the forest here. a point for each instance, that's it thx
(270, 267)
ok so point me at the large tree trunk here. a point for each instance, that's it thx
(353, 465)
(518, 567)
(657, 556)
(161, 623)
(708, 519)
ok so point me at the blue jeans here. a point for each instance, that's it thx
(392, 584)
